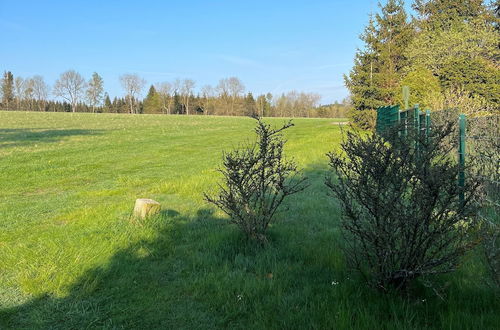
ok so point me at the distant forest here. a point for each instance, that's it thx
(447, 53)
(227, 98)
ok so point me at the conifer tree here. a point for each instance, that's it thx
(152, 102)
(375, 77)
(458, 42)
(250, 106)
(178, 108)
(394, 34)
(361, 81)
(108, 106)
(440, 15)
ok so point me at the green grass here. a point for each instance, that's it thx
(70, 257)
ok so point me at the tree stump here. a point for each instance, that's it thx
(145, 207)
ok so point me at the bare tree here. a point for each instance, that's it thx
(235, 87)
(133, 86)
(280, 105)
(186, 89)
(19, 86)
(176, 86)
(165, 89)
(295, 104)
(70, 86)
(305, 102)
(95, 90)
(28, 93)
(223, 93)
(40, 91)
(207, 93)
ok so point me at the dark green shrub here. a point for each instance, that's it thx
(402, 217)
(256, 180)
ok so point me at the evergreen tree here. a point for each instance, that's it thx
(7, 89)
(378, 68)
(361, 81)
(178, 107)
(476, 75)
(119, 105)
(394, 34)
(250, 105)
(108, 106)
(458, 42)
(425, 88)
(438, 15)
(152, 102)
(66, 107)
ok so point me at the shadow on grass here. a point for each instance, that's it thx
(25, 136)
(200, 272)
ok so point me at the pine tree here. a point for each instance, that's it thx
(178, 107)
(439, 15)
(108, 106)
(7, 89)
(394, 34)
(425, 88)
(250, 105)
(361, 81)
(458, 42)
(152, 102)
(375, 79)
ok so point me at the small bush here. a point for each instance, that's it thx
(402, 218)
(256, 180)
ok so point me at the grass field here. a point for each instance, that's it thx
(70, 257)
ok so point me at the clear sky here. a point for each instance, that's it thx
(273, 45)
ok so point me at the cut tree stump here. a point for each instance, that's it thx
(145, 207)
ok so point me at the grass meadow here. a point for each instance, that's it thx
(70, 257)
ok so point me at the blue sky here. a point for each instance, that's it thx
(273, 46)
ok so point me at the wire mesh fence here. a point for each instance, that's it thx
(483, 147)
(476, 141)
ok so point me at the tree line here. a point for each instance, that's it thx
(73, 93)
(448, 54)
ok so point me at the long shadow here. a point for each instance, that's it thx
(200, 272)
(25, 136)
(169, 282)
(133, 289)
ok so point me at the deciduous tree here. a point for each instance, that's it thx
(71, 87)
(187, 86)
(95, 90)
(40, 91)
(133, 86)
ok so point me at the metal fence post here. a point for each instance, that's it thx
(416, 118)
(462, 121)
(416, 127)
(427, 124)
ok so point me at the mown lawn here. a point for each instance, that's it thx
(70, 257)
